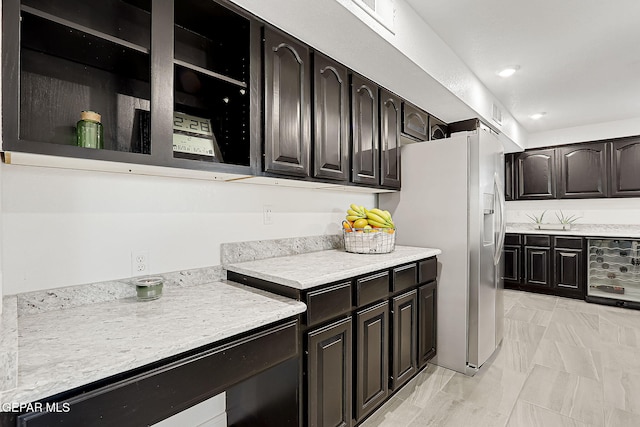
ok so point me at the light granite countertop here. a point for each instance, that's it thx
(59, 350)
(308, 270)
(629, 231)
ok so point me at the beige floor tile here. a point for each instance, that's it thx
(620, 316)
(622, 390)
(614, 417)
(515, 355)
(445, 410)
(574, 334)
(516, 330)
(615, 334)
(494, 388)
(620, 357)
(425, 385)
(537, 302)
(574, 360)
(530, 315)
(567, 394)
(578, 319)
(528, 415)
(577, 305)
(394, 413)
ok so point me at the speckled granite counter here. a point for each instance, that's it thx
(307, 270)
(62, 349)
(586, 230)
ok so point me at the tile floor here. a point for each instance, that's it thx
(562, 362)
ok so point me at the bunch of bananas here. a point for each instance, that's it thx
(369, 220)
(379, 218)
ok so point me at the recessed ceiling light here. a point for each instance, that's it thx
(509, 71)
(537, 116)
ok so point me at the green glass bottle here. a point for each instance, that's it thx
(89, 131)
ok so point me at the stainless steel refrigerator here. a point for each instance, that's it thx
(452, 199)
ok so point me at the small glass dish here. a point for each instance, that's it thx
(149, 288)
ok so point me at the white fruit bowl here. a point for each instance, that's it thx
(361, 241)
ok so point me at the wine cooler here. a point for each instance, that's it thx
(614, 272)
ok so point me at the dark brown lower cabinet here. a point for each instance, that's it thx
(427, 322)
(329, 375)
(537, 266)
(372, 349)
(154, 393)
(363, 338)
(511, 275)
(546, 264)
(405, 338)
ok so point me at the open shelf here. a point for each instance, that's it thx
(129, 21)
(65, 71)
(211, 37)
(227, 107)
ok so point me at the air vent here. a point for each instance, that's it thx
(496, 114)
(382, 11)
(371, 4)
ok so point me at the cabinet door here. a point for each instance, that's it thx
(508, 177)
(583, 171)
(511, 265)
(415, 122)
(537, 266)
(364, 122)
(287, 96)
(427, 322)
(331, 119)
(536, 175)
(437, 128)
(405, 338)
(329, 375)
(568, 271)
(625, 174)
(372, 350)
(389, 139)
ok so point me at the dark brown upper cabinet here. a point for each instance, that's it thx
(625, 170)
(437, 128)
(536, 174)
(331, 119)
(415, 122)
(287, 136)
(364, 116)
(582, 171)
(509, 177)
(390, 110)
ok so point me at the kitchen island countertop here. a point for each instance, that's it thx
(308, 270)
(60, 350)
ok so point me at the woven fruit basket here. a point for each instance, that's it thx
(369, 241)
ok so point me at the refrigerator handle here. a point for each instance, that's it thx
(503, 224)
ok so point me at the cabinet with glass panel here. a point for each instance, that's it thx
(171, 81)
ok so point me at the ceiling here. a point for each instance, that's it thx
(579, 59)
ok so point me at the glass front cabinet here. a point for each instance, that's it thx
(172, 82)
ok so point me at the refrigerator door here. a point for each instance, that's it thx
(484, 239)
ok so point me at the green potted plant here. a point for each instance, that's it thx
(567, 221)
(537, 220)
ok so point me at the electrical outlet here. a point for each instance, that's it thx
(267, 214)
(139, 262)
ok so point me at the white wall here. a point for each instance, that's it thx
(594, 132)
(592, 211)
(67, 227)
